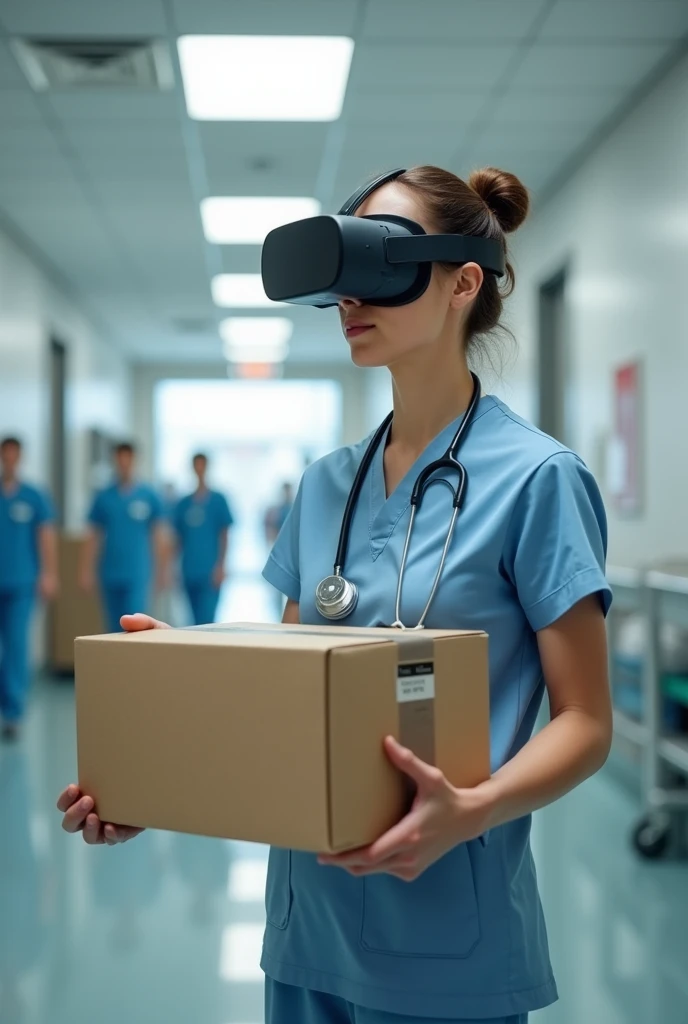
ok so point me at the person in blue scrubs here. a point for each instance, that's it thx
(202, 521)
(440, 918)
(125, 539)
(28, 564)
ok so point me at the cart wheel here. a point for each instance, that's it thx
(651, 836)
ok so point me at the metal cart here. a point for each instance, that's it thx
(665, 756)
(629, 596)
(660, 596)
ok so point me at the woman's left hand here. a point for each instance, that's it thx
(440, 818)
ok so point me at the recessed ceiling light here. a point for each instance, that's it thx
(256, 339)
(265, 78)
(240, 291)
(246, 220)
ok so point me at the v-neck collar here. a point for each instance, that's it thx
(385, 512)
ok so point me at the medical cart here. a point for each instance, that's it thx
(661, 596)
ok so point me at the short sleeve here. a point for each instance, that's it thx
(97, 516)
(282, 567)
(557, 541)
(224, 513)
(45, 511)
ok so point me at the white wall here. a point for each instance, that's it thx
(621, 226)
(31, 309)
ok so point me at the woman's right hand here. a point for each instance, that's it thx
(78, 808)
(79, 816)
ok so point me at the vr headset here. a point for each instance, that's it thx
(383, 260)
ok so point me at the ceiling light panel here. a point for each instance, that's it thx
(256, 339)
(246, 220)
(240, 291)
(265, 78)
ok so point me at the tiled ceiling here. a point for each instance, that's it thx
(105, 186)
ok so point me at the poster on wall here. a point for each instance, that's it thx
(624, 458)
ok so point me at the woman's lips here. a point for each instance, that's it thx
(353, 330)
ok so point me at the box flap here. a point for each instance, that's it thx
(280, 636)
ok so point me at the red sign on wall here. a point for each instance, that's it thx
(626, 471)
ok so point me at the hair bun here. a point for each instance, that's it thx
(504, 194)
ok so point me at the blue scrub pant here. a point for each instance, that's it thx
(16, 607)
(203, 598)
(287, 1004)
(123, 599)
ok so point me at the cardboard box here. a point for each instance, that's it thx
(273, 734)
(73, 613)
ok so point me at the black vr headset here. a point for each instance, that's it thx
(383, 260)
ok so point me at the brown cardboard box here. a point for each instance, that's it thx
(273, 734)
(73, 613)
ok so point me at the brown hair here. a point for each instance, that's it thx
(490, 204)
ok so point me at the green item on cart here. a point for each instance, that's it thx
(676, 688)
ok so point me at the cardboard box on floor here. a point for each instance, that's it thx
(273, 734)
(73, 613)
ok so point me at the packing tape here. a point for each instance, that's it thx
(415, 678)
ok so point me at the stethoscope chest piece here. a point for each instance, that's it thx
(335, 597)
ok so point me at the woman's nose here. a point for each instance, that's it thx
(349, 303)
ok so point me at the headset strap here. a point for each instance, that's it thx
(361, 194)
(486, 252)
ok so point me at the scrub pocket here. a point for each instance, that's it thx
(436, 916)
(278, 889)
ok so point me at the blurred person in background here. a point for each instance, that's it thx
(275, 518)
(125, 540)
(202, 521)
(28, 563)
(276, 515)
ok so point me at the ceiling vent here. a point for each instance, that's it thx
(95, 63)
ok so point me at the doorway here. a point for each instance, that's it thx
(58, 446)
(554, 377)
(258, 435)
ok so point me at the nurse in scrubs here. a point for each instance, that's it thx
(126, 540)
(440, 918)
(202, 521)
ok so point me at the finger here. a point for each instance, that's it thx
(424, 775)
(402, 865)
(75, 817)
(114, 834)
(402, 843)
(93, 830)
(139, 621)
(67, 797)
(406, 835)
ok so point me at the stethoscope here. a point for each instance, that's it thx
(335, 596)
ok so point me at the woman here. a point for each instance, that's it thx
(348, 938)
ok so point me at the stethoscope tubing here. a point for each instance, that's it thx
(424, 479)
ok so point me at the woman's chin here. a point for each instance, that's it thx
(368, 354)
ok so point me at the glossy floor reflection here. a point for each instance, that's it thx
(168, 928)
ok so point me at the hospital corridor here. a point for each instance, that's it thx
(343, 512)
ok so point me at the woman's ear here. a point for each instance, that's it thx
(467, 281)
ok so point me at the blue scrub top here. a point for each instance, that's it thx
(125, 515)
(199, 520)
(467, 939)
(22, 512)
